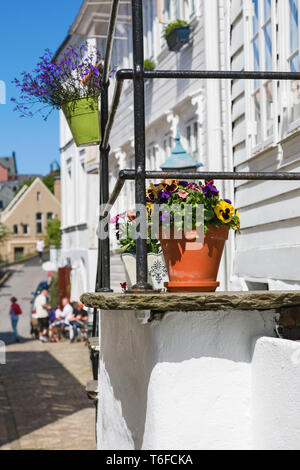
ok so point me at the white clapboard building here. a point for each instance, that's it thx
(226, 125)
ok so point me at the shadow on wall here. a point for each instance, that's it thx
(132, 353)
(40, 390)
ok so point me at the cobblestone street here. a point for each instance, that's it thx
(43, 403)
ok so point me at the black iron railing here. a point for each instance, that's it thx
(138, 75)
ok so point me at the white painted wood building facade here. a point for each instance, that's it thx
(241, 125)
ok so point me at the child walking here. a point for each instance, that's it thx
(15, 312)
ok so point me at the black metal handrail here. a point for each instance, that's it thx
(138, 75)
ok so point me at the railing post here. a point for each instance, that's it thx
(103, 274)
(140, 145)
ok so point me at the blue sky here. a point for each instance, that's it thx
(27, 28)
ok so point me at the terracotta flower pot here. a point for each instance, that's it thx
(193, 266)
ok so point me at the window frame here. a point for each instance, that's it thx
(193, 143)
(27, 229)
(260, 86)
(37, 221)
(285, 56)
(149, 28)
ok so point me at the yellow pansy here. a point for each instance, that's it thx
(238, 225)
(149, 208)
(153, 191)
(224, 211)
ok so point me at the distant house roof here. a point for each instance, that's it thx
(10, 164)
(22, 178)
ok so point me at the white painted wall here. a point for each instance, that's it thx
(197, 380)
(182, 383)
(268, 248)
(276, 399)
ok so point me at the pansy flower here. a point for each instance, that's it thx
(171, 185)
(183, 183)
(164, 195)
(153, 191)
(149, 207)
(238, 222)
(192, 187)
(165, 217)
(131, 214)
(210, 191)
(224, 211)
(183, 194)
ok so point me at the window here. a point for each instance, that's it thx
(39, 225)
(263, 25)
(293, 59)
(25, 229)
(38, 196)
(16, 229)
(171, 10)
(167, 10)
(192, 137)
(152, 163)
(49, 215)
(18, 253)
(191, 7)
(1, 205)
(149, 29)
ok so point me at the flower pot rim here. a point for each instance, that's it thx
(187, 26)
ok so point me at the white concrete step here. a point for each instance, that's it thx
(117, 273)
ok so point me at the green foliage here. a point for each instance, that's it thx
(53, 233)
(169, 28)
(4, 233)
(149, 64)
(25, 183)
(49, 181)
(127, 242)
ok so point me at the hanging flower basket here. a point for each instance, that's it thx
(178, 38)
(70, 82)
(83, 118)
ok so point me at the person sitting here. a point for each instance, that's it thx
(54, 315)
(79, 319)
(64, 317)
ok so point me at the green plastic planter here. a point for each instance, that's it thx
(83, 119)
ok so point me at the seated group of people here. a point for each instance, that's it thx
(53, 322)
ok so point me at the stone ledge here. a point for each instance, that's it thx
(164, 302)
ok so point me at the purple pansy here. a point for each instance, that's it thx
(163, 195)
(165, 217)
(210, 191)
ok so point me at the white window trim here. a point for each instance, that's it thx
(266, 141)
(39, 221)
(284, 56)
(194, 147)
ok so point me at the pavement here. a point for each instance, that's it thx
(43, 403)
